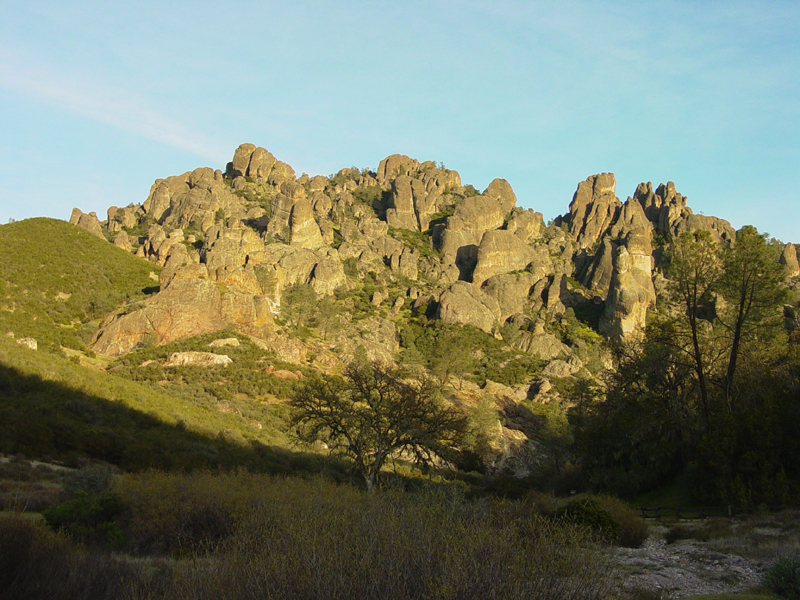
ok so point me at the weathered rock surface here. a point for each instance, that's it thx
(593, 209)
(788, 258)
(305, 231)
(230, 245)
(198, 359)
(465, 303)
(500, 252)
(501, 191)
(87, 221)
(631, 292)
(187, 308)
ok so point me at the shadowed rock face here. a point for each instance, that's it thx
(232, 244)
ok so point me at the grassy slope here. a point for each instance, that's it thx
(57, 281)
(55, 407)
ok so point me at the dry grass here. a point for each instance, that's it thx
(760, 537)
(239, 536)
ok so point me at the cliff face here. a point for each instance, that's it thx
(233, 242)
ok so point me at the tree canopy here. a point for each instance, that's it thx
(374, 413)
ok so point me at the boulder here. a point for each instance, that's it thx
(328, 276)
(394, 165)
(305, 231)
(198, 359)
(527, 225)
(543, 345)
(241, 161)
(28, 342)
(121, 240)
(225, 342)
(510, 291)
(501, 191)
(500, 251)
(465, 303)
(89, 222)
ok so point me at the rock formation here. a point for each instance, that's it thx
(231, 243)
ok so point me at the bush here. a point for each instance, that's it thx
(784, 578)
(611, 518)
(38, 563)
(92, 479)
(88, 517)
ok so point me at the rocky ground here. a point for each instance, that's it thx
(733, 560)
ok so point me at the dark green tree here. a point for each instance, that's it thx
(751, 283)
(298, 304)
(694, 268)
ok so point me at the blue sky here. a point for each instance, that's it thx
(98, 99)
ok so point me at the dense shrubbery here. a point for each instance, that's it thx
(611, 518)
(54, 408)
(291, 538)
(784, 578)
(465, 352)
(37, 563)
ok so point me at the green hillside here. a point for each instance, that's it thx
(57, 281)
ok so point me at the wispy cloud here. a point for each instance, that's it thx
(98, 101)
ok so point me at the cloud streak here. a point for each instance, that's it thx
(100, 102)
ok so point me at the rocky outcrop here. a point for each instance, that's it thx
(305, 231)
(187, 307)
(510, 292)
(465, 303)
(501, 191)
(406, 193)
(500, 252)
(666, 209)
(225, 342)
(87, 221)
(631, 291)
(788, 258)
(28, 342)
(231, 244)
(197, 359)
(473, 217)
(526, 224)
(593, 209)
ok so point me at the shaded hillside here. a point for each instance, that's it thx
(55, 408)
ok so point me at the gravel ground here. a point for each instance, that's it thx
(687, 568)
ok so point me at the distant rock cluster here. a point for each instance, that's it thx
(231, 242)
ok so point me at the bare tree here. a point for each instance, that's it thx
(373, 413)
